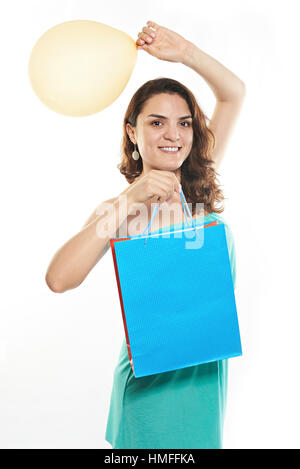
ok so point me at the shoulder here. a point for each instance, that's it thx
(98, 210)
(230, 245)
(228, 231)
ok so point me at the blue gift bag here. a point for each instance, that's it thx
(177, 297)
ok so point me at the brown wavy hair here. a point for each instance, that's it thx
(198, 177)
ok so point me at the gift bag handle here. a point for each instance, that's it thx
(185, 210)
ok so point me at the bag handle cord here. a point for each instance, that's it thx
(185, 210)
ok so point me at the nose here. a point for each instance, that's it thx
(172, 132)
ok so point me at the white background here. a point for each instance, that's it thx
(58, 351)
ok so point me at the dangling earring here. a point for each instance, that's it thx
(135, 154)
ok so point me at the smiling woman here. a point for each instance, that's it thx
(183, 408)
(164, 118)
(166, 140)
(166, 143)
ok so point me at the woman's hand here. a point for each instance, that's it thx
(162, 43)
(156, 183)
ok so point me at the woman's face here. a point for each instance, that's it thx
(164, 124)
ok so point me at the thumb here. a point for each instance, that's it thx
(146, 46)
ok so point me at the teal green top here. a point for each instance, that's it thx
(181, 409)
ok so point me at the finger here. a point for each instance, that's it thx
(140, 41)
(171, 179)
(166, 177)
(167, 186)
(152, 25)
(148, 31)
(160, 191)
(145, 37)
(174, 181)
(177, 184)
(161, 195)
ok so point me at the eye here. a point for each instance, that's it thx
(159, 122)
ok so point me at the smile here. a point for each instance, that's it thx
(170, 149)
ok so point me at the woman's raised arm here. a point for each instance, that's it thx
(228, 89)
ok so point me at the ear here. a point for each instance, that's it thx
(131, 133)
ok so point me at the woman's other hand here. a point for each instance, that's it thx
(162, 43)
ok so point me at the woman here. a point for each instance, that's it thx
(166, 143)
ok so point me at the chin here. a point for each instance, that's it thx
(174, 165)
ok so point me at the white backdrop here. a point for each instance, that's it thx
(58, 351)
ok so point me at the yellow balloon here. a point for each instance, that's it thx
(80, 67)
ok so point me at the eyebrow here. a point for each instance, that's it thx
(163, 117)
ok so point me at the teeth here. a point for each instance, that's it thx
(170, 148)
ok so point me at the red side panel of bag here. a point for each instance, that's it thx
(112, 245)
